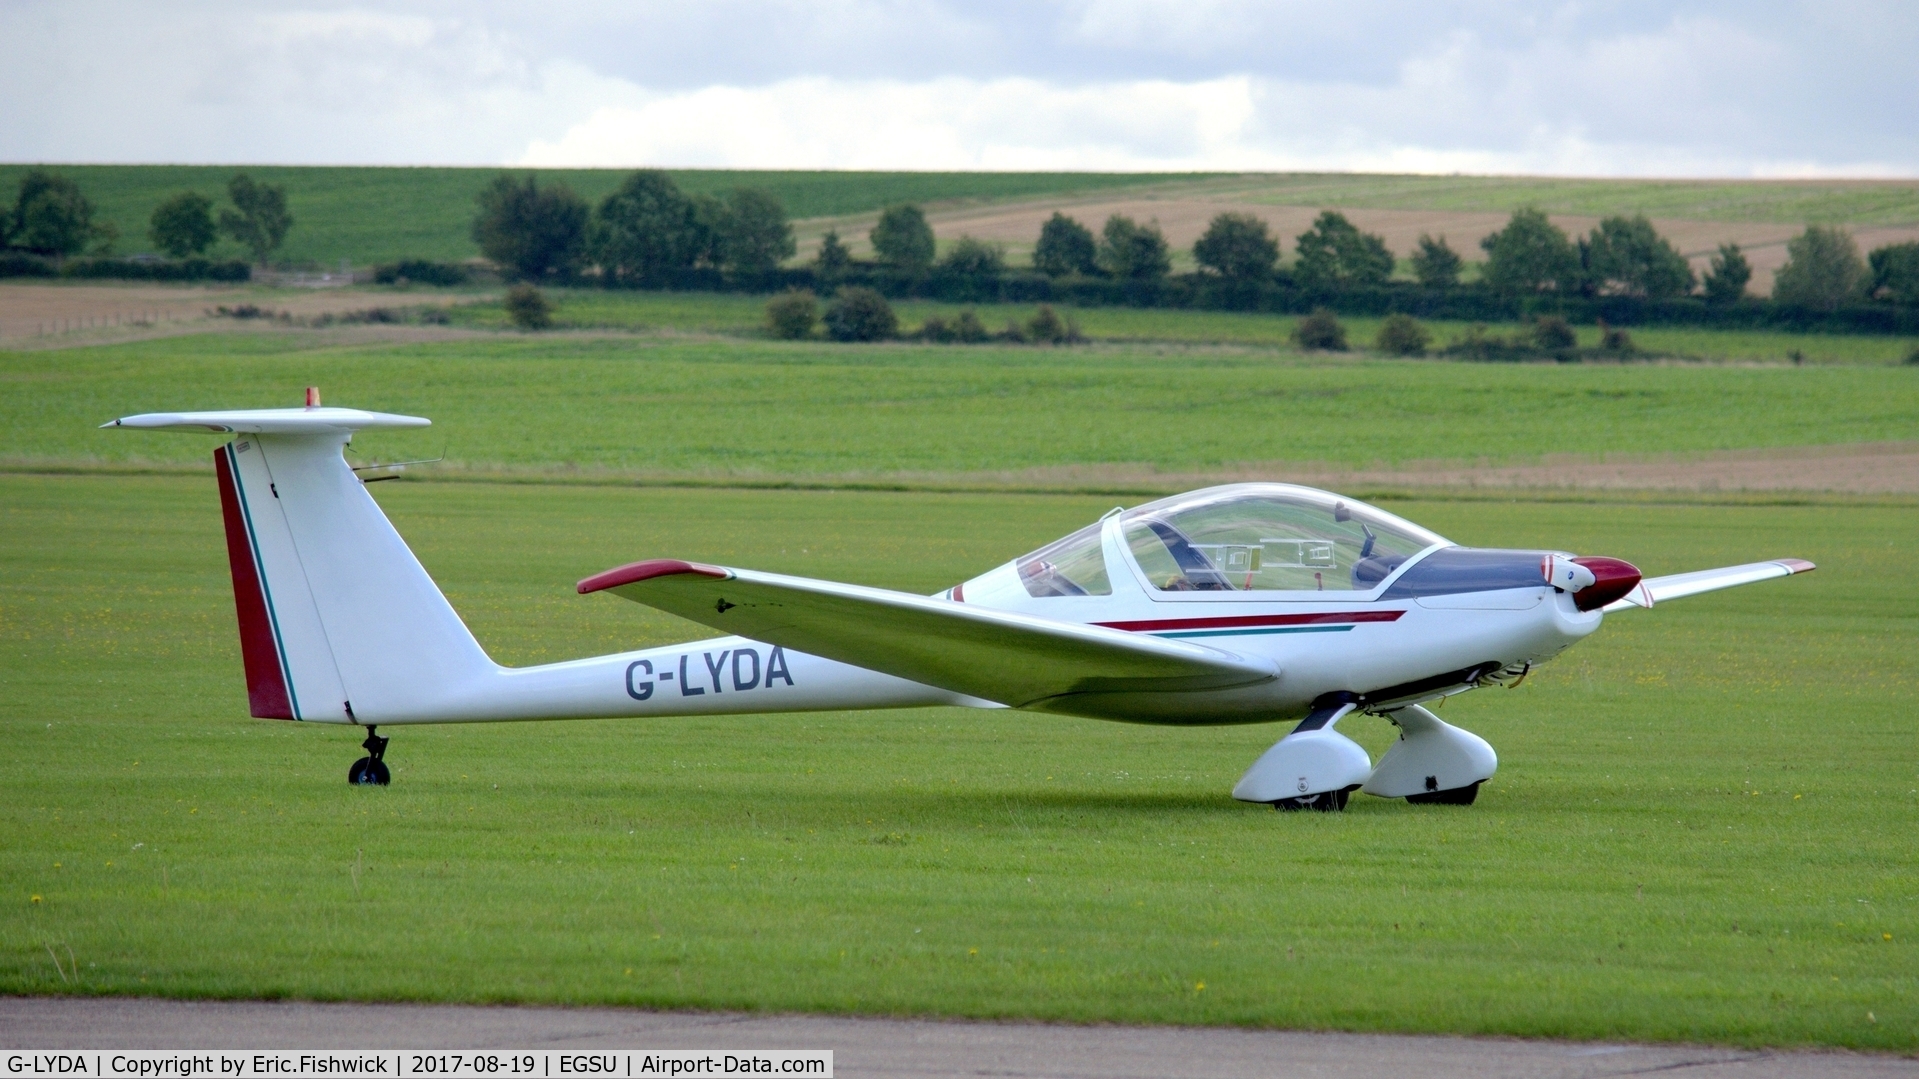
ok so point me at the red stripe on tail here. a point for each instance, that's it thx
(266, 685)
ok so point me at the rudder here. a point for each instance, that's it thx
(290, 667)
(268, 693)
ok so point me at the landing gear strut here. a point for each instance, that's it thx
(370, 770)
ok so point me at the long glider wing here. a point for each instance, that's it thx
(1001, 656)
(1660, 589)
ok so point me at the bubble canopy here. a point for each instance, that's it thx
(1245, 537)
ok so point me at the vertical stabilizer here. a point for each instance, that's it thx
(338, 621)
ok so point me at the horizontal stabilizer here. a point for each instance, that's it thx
(1001, 656)
(269, 421)
(1679, 585)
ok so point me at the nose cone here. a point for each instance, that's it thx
(1612, 578)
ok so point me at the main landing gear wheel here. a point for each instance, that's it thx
(370, 770)
(1325, 802)
(1458, 796)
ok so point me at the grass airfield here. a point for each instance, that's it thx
(686, 407)
(1701, 829)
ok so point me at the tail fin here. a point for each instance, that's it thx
(338, 621)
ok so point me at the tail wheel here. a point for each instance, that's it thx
(370, 770)
(1458, 796)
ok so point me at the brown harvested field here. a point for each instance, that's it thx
(1183, 219)
(1697, 216)
(54, 311)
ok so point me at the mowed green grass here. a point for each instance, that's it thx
(368, 215)
(744, 315)
(675, 406)
(1701, 828)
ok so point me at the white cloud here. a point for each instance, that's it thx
(1632, 104)
(949, 123)
(300, 87)
(1638, 87)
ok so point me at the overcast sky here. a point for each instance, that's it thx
(1753, 88)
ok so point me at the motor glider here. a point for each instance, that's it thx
(1246, 603)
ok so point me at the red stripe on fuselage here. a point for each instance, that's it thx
(266, 686)
(1241, 621)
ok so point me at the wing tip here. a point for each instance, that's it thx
(646, 570)
(1796, 565)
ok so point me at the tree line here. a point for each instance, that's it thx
(646, 233)
(1621, 256)
(52, 221)
(650, 234)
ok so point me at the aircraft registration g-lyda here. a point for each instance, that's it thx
(1248, 603)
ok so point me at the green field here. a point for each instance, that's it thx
(371, 215)
(674, 405)
(1701, 828)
